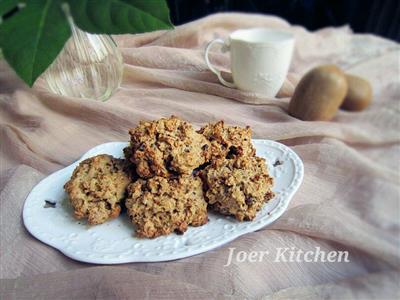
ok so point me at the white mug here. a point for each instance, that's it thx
(260, 59)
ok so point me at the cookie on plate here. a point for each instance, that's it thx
(227, 141)
(97, 187)
(129, 166)
(238, 186)
(167, 147)
(159, 206)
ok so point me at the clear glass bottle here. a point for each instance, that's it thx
(89, 66)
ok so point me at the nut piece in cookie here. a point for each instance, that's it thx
(238, 186)
(228, 141)
(159, 206)
(167, 147)
(97, 187)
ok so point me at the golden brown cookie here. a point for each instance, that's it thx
(129, 166)
(238, 186)
(167, 147)
(97, 187)
(227, 141)
(159, 206)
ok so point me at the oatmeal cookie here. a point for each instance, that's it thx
(159, 206)
(238, 186)
(129, 166)
(228, 141)
(97, 187)
(167, 147)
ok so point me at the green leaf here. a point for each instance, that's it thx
(120, 16)
(33, 37)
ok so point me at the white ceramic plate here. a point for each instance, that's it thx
(114, 242)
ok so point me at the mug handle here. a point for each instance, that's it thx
(225, 48)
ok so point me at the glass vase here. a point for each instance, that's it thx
(89, 66)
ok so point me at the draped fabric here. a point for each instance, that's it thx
(348, 201)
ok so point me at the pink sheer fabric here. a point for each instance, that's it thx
(349, 199)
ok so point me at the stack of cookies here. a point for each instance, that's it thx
(236, 181)
(166, 197)
(171, 175)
